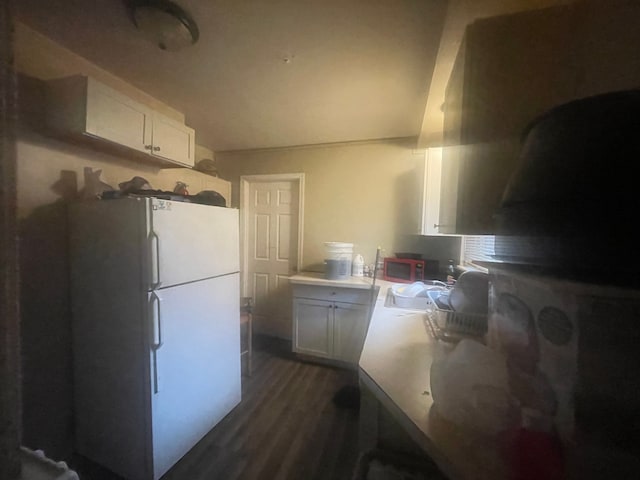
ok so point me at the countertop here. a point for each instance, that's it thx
(395, 366)
(318, 279)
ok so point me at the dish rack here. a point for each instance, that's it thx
(452, 326)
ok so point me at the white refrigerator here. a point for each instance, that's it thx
(156, 332)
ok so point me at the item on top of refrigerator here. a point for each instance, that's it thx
(93, 186)
(209, 197)
(181, 188)
(133, 185)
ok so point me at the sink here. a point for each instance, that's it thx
(410, 303)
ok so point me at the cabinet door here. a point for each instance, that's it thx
(313, 327)
(349, 331)
(431, 194)
(449, 181)
(195, 363)
(117, 118)
(173, 141)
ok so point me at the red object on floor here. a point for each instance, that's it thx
(535, 455)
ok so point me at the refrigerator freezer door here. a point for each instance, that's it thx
(189, 242)
(194, 334)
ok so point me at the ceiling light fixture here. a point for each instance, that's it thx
(163, 22)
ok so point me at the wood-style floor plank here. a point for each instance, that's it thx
(287, 427)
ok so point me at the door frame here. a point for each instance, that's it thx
(245, 183)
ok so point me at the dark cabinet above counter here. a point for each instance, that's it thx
(509, 71)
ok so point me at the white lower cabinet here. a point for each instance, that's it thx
(350, 325)
(313, 323)
(329, 328)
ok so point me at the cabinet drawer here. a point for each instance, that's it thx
(333, 294)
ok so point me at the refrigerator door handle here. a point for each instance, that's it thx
(154, 241)
(156, 341)
(156, 336)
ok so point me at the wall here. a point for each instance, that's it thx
(50, 173)
(39, 57)
(9, 313)
(436, 247)
(364, 193)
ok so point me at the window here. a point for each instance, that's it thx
(477, 248)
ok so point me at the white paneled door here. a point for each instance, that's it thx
(272, 252)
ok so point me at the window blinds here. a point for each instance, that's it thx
(478, 247)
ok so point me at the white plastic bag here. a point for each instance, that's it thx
(470, 388)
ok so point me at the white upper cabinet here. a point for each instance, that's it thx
(82, 106)
(111, 115)
(431, 192)
(439, 195)
(172, 140)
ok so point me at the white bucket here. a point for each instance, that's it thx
(338, 260)
(338, 250)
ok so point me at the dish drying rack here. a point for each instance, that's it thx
(451, 326)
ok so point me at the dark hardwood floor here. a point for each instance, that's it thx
(289, 425)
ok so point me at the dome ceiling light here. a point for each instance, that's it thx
(164, 23)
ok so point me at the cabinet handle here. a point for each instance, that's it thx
(156, 149)
(148, 147)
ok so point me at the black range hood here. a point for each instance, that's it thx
(573, 202)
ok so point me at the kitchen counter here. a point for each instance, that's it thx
(395, 366)
(318, 279)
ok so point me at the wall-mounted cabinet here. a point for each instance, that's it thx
(509, 70)
(81, 107)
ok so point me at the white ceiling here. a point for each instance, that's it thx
(357, 69)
